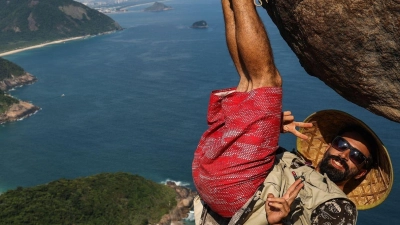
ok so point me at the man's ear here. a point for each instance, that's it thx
(362, 173)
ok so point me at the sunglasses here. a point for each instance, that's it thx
(357, 157)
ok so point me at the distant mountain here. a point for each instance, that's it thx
(30, 22)
(157, 7)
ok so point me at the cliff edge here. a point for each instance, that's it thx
(12, 75)
(16, 81)
(18, 111)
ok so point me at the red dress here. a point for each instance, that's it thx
(237, 151)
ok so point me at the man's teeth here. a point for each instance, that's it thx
(337, 163)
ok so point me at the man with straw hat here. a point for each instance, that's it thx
(239, 150)
(343, 166)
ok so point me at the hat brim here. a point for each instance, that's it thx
(367, 192)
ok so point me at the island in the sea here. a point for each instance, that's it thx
(200, 24)
(157, 7)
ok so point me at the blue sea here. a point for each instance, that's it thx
(136, 100)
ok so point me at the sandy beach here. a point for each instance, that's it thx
(41, 45)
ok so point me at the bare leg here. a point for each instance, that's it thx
(243, 127)
(230, 34)
(249, 46)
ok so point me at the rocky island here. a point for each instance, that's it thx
(199, 24)
(157, 7)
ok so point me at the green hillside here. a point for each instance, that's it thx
(6, 101)
(9, 69)
(30, 22)
(118, 198)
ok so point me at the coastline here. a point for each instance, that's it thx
(13, 82)
(40, 45)
(18, 111)
(22, 109)
(184, 205)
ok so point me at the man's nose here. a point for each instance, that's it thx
(345, 154)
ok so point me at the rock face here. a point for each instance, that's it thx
(200, 24)
(184, 199)
(9, 83)
(351, 45)
(21, 109)
(157, 7)
(18, 111)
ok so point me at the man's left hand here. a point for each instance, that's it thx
(289, 125)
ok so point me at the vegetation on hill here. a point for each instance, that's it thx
(6, 101)
(31, 22)
(117, 198)
(9, 69)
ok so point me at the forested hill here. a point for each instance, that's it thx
(110, 198)
(11, 75)
(9, 69)
(30, 22)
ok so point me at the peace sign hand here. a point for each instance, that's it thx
(278, 208)
(289, 125)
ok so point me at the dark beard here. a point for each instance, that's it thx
(334, 174)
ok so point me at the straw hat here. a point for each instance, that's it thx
(365, 193)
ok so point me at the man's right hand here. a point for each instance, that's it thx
(278, 208)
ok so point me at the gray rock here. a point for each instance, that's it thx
(351, 45)
(15, 81)
(184, 199)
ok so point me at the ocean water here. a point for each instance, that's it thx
(136, 100)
